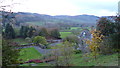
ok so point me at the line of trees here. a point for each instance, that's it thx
(46, 32)
(9, 32)
(26, 31)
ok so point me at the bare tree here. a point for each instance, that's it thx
(63, 54)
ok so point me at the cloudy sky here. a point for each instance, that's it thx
(65, 7)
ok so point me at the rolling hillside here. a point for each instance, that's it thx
(42, 19)
(29, 17)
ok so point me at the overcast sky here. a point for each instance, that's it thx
(65, 7)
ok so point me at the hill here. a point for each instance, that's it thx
(35, 18)
(29, 17)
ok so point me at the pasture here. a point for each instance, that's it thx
(29, 53)
(65, 34)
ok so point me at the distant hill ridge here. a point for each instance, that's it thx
(22, 17)
(28, 17)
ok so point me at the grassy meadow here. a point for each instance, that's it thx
(80, 60)
(65, 34)
(29, 53)
(102, 60)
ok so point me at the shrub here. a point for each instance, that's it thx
(40, 40)
(77, 51)
(28, 40)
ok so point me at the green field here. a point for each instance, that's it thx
(20, 41)
(79, 28)
(103, 60)
(78, 59)
(72, 28)
(65, 34)
(36, 23)
(75, 28)
(29, 53)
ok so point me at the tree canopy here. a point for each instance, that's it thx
(9, 32)
(9, 53)
(40, 40)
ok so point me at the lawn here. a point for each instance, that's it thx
(65, 34)
(103, 60)
(20, 41)
(29, 53)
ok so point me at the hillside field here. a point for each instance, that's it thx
(65, 34)
(29, 53)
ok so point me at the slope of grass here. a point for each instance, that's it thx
(65, 34)
(20, 41)
(29, 53)
(103, 60)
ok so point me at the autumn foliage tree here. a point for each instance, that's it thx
(95, 42)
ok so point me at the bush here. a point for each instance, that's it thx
(40, 40)
(29, 40)
(110, 44)
(77, 51)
